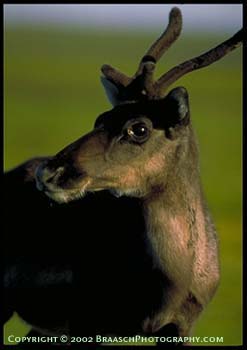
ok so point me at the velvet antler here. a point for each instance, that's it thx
(142, 84)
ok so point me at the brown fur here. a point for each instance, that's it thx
(163, 173)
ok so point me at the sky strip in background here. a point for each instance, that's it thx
(223, 17)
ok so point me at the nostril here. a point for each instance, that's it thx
(45, 176)
(52, 177)
(49, 177)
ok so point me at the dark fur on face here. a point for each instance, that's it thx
(164, 113)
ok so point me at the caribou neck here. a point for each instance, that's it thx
(175, 215)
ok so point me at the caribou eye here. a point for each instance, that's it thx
(138, 132)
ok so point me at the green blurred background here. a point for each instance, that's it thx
(52, 95)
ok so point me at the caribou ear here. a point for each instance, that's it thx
(111, 90)
(177, 102)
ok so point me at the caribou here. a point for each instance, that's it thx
(148, 261)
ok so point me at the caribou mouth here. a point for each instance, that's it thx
(68, 195)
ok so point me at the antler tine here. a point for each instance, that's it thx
(153, 54)
(115, 76)
(198, 62)
(147, 78)
(166, 39)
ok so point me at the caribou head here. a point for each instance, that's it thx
(137, 144)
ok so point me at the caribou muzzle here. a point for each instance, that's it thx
(69, 173)
(56, 182)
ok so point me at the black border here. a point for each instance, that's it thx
(244, 206)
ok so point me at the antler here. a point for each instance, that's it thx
(198, 62)
(167, 38)
(153, 54)
(141, 85)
